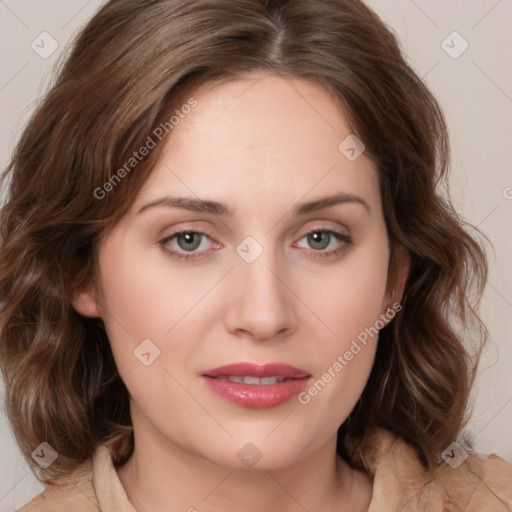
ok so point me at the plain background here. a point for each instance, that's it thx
(475, 90)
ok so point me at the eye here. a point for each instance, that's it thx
(186, 244)
(189, 244)
(325, 242)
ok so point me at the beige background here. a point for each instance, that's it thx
(475, 90)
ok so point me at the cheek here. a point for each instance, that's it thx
(145, 294)
(345, 345)
(350, 296)
(144, 300)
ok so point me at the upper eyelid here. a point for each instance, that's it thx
(204, 232)
(320, 227)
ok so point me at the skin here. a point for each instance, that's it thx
(260, 145)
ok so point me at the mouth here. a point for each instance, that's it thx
(256, 386)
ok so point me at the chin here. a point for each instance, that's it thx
(255, 454)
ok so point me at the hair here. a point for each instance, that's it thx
(132, 64)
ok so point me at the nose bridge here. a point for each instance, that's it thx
(261, 304)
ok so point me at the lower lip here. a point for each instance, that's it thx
(257, 396)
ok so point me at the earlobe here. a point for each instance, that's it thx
(84, 302)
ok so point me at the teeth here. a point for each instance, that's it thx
(254, 381)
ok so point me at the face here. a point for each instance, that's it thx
(232, 254)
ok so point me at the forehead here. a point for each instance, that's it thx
(261, 137)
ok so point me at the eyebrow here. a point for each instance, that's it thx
(221, 209)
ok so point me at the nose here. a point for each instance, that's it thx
(262, 305)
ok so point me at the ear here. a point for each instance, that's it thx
(84, 301)
(401, 264)
(399, 267)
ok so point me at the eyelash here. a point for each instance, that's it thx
(346, 240)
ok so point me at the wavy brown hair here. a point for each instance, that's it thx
(134, 63)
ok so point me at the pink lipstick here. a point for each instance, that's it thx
(257, 386)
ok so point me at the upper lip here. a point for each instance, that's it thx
(257, 370)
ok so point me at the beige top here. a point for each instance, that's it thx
(399, 483)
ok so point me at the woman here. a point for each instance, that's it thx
(229, 277)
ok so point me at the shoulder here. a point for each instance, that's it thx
(92, 486)
(67, 492)
(470, 483)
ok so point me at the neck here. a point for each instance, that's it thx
(162, 476)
